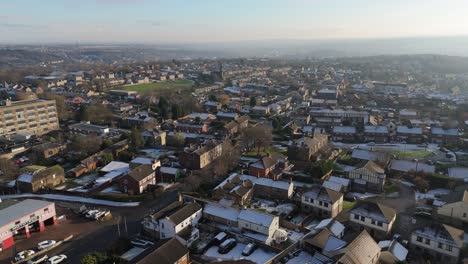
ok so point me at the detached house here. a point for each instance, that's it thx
(269, 167)
(442, 242)
(322, 201)
(370, 177)
(176, 220)
(455, 212)
(375, 218)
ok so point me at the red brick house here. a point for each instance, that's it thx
(137, 180)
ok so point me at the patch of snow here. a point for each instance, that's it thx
(258, 256)
(67, 198)
(431, 194)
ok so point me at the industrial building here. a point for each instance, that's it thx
(24, 217)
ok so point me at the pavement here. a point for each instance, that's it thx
(89, 235)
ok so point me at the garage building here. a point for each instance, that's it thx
(22, 218)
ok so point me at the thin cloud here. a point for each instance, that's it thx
(154, 23)
(21, 26)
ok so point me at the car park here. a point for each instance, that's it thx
(227, 245)
(37, 259)
(45, 244)
(23, 254)
(57, 259)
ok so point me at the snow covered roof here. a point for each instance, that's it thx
(458, 172)
(376, 129)
(395, 248)
(168, 170)
(332, 186)
(256, 217)
(409, 130)
(342, 181)
(116, 166)
(333, 225)
(142, 160)
(405, 166)
(368, 155)
(344, 129)
(258, 180)
(444, 132)
(25, 177)
(220, 211)
(333, 244)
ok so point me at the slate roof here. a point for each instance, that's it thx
(183, 213)
(168, 253)
(361, 250)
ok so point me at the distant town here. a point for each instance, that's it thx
(242, 160)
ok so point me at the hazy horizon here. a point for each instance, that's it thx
(214, 21)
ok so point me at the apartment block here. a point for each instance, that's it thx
(36, 117)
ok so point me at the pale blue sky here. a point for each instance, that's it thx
(187, 21)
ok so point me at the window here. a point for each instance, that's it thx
(373, 222)
(46, 210)
(32, 216)
(464, 215)
(380, 224)
(356, 217)
(440, 245)
(17, 222)
(419, 239)
(449, 248)
(363, 218)
(427, 241)
(325, 204)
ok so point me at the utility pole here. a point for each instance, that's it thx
(118, 226)
(125, 222)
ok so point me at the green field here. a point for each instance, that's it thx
(412, 154)
(158, 86)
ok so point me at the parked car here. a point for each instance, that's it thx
(38, 259)
(45, 244)
(219, 238)
(57, 259)
(22, 255)
(227, 245)
(249, 249)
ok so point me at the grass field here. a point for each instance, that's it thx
(412, 154)
(158, 86)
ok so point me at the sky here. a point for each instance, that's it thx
(211, 21)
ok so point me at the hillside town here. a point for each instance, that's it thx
(235, 161)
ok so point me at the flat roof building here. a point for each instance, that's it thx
(36, 117)
(24, 217)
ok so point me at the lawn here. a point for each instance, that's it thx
(158, 86)
(348, 205)
(413, 154)
(263, 152)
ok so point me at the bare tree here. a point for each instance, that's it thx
(257, 136)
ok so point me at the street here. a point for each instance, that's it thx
(88, 235)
